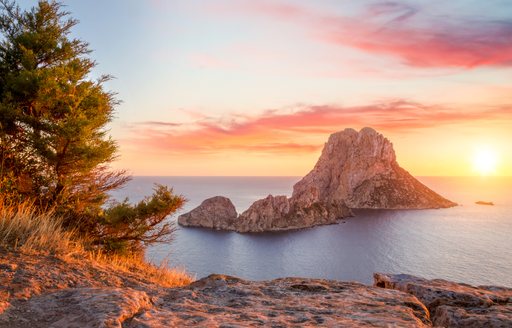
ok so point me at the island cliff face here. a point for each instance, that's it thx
(360, 169)
(355, 170)
(272, 213)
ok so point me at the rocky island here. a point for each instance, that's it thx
(355, 170)
(481, 202)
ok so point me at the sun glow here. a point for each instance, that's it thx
(485, 161)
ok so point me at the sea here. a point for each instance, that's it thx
(468, 243)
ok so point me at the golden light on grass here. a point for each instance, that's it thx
(23, 228)
(485, 161)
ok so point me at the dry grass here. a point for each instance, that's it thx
(161, 274)
(23, 228)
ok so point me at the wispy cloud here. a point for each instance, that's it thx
(402, 31)
(159, 123)
(299, 130)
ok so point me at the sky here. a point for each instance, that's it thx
(240, 87)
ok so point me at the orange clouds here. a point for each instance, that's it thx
(300, 131)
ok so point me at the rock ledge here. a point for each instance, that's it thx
(42, 291)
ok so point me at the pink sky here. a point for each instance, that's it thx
(238, 87)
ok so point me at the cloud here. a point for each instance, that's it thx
(300, 130)
(400, 11)
(402, 31)
(159, 123)
(469, 45)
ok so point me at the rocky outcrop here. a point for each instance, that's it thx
(281, 213)
(360, 169)
(455, 305)
(215, 213)
(43, 291)
(82, 307)
(273, 213)
(481, 202)
(355, 170)
(224, 301)
(69, 290)
(265, 214)
(39, 290)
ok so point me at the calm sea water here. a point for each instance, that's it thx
(468, 243)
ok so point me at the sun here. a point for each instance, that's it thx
(485, 161)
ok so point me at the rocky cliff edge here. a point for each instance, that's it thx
(44, 291)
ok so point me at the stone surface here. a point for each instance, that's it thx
(217, 213)
(223, 301)
(81, 307)
(41, 290)
(44, 291)
(455, 304)
(355, 170)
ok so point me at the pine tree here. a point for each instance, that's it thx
(54, 142)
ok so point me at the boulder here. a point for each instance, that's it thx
(455, 304)
(273, 213)
(84, 307)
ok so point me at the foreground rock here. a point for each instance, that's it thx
(44, 291)
(355, 170)
(455, 305)
(223, 301)
(41, 290)
(80, 307)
